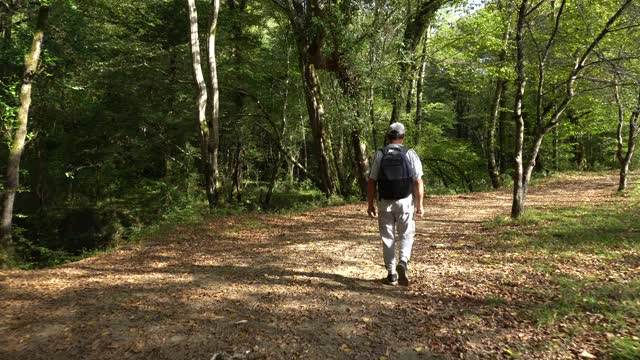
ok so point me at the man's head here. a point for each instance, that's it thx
(395, 134)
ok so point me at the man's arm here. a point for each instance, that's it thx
(371, 197)
(419, 197)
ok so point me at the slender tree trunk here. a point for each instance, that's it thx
(502, 134)
(492, 166)
(315, 108)
(372, 116)
(395, 113)
(578, 151)
(519, 185)
(201, 101)
(238, 174)
(404, 78)
(305, 151)
(41, 175)
(412, 88)
(622, 184)
(236, 179)
(336, 150)
(420, 87)
(556, 159)
(361, 163)
(625, 159)
(18, 141)
(213, 124)
(272, 182)
(624, 174)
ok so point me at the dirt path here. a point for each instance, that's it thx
(282, 287)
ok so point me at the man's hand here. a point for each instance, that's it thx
(371, 211)
(419, 197)
(371, 195)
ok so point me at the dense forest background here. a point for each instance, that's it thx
(124, 132)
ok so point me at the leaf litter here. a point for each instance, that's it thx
(309, 286)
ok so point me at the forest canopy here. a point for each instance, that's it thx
(116, 115)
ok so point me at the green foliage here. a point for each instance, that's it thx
(112, 125)
(625, 349)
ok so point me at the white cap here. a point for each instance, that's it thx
(396, 128)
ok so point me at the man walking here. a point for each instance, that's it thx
(396, 174)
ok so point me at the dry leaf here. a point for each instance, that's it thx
(586, 355)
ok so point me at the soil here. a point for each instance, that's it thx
(307, 286)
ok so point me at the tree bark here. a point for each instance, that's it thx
(412, 89)
(372, 116)
(237, 173)
(309, 42)
(416, 27)
(556, 159)
(420, 87)
(624, 158)
(502, 134)
(578, 151)
(362, 165)
(201, 103)
(213, 123)
(336, 151)
(18, 142)
(272, 182)
(519, 185)
(492, 165)
(315, 109)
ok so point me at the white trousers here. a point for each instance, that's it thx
(405, 225)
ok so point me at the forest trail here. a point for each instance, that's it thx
(273, 286)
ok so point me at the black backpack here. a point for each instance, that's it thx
(395, 180)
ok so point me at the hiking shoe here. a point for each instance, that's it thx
(402, 273)
(392, 279)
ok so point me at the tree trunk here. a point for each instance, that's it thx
(361, 163)
(18, 142)
(336, 151)
(40, 186)
(410, 92)
(236, 178)
(201, 102)
(272, 182)
(492, 166)
(502, 134)
(372, 116)
(416, 27)
(213, 124)
(519, 185)
(625, 159)
(620, 138)
(420, 87)
(556, 159)
(578, 151)
(315, 108)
